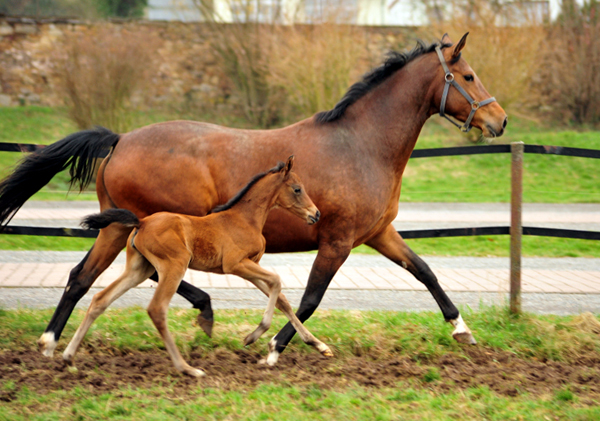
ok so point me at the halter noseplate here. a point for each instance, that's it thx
(449, 78)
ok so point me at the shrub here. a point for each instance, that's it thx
(244, 47)
(315, 65)
(101, 71)
(570, 72)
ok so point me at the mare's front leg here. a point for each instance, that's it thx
(286, 308)
(330, 257)
(391, 245)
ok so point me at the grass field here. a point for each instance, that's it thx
(485, 178)
(387, 366)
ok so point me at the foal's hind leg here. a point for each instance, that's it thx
(137, 270)
(110, 242)
(391, 245)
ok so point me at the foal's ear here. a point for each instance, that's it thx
(446, 39)
(288, 165)
(460, 46)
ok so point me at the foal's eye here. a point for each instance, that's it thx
(469, 78)
(297, 190)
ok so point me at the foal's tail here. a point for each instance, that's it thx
(77, 152)
(109, 216)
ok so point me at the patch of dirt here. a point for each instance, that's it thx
(99, 372)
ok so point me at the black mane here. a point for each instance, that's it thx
(394, 62)
(238, 196)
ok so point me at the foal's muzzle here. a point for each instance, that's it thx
(313, 219)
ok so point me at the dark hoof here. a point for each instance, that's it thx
(206, 325)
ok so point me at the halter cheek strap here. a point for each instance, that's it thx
(475, 105)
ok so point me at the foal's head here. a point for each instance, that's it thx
(292, 195)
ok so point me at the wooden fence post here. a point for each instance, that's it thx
(516, 226)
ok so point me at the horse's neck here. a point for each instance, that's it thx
(389, 119)
(255, 205)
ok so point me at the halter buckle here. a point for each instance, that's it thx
(449, 77)
(475, 105)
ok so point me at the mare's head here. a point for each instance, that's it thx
(292, 195)
(460, 93)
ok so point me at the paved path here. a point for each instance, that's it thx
(36, 279)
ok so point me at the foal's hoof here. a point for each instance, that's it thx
(464, 338)
(206, 324)
(194, 372)
(327, 353)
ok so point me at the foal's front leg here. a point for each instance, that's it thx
(260, 278)
(254, 273)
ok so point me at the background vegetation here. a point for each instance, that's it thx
(74, 8)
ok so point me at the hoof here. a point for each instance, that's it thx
(249, 340)
(464, 338)
(273, 356)
(462, 334)
(327, 353)
(47, 344)
(206, 325)
(194, 372)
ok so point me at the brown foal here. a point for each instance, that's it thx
(229, 240)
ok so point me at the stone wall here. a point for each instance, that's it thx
(186, 67)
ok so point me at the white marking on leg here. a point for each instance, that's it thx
(461, 332)
(404, 265)
(47, 344)
(273, 354)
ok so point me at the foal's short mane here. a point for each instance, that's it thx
(238, 196)
(394, 62)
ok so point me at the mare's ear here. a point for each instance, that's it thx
(288, 165)
(460, 46)
(446, 39)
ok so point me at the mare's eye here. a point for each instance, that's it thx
(297, 190)
(469, 78)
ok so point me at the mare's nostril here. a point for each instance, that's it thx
(318, 215)
(505, 122)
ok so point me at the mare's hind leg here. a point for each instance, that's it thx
(169, 278)
(391, 245)
(110, 242)
(137, 270)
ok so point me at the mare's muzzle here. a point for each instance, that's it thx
(475, 105)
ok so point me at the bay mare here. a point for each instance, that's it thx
(229, 240)
(351, 160)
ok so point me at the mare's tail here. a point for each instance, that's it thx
(109, 216)
(77, 152)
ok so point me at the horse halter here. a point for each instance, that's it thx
(475, 105)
